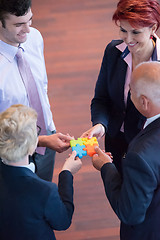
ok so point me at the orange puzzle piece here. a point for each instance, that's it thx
(90, 149)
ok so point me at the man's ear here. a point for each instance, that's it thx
(145, 103)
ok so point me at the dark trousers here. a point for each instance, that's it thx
(118, 147)
(44, 163)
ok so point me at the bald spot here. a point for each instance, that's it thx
(146, 79)
(149, 71)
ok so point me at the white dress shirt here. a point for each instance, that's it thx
(151, 119)
(12, 89)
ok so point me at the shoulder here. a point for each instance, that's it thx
(111, 51)
(43, 187)
(34, 39)
(34, 33)
(147, 139)
(112, 45)
(112, 54)
(145, 148)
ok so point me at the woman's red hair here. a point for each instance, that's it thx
(139, 13)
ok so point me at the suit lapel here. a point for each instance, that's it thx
(120, 72)
(118, 83)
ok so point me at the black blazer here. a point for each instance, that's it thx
(136, 198)
(108, 106)
(30, 208)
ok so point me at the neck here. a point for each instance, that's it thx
(153, 111)
(22, 162)
(144, 55)
(9, 43)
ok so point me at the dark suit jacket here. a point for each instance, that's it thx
(108, 106)
(30, 208)
(136, 199)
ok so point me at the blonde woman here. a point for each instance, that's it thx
(31, 208)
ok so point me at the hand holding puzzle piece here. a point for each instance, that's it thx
(84, 146)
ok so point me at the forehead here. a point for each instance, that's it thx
(13, 19)
(126, 25)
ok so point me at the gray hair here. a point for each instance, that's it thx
(18, 132)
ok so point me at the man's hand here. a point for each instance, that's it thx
(96, 131)
(73, 163)
(100, 158)
(58, 141)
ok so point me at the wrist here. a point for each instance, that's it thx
(102, 128)
(42, 141)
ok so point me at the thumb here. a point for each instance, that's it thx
(74, 153)
(90, 135)
(66, 138)
(98, 151)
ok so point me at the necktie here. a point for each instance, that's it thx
(32, 92)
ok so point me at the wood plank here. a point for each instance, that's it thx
(75, 35)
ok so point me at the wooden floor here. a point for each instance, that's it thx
(75, 34)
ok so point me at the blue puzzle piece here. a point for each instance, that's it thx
(79, 150)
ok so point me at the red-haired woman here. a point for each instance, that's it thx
(113, 113)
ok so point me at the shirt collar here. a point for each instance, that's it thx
(30, 166)
(124, 49)
(8, 50)
(151, 119)
(126, 55)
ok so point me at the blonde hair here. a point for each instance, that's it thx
(18, 132)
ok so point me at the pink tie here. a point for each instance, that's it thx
(32, 92)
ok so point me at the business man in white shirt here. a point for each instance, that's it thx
(15, 32)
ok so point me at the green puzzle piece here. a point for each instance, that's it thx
(74, 142)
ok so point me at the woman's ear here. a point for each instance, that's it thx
(154, 29)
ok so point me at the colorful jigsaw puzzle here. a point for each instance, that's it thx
(84, 146)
